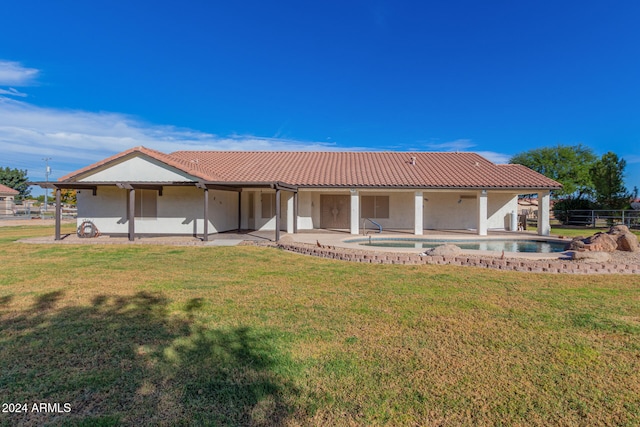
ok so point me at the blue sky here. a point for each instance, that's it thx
(81, 80)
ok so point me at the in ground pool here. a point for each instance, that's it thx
(540, 246)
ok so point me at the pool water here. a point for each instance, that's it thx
(538, 246)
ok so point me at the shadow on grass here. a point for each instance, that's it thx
(126, 360)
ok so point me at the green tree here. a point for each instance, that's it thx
(607, 175)
(569, 165)
(68, 197)
(16, 179)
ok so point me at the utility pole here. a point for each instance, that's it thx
(47, 172)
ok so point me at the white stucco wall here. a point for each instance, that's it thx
(263, 223)
(443, 212)
(180, 211)
(223, 210)
(305, 210)
(107, 209)
(138, 169)
(499, 208)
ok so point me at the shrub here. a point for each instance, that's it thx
(572, 211)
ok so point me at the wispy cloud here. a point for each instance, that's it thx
(499, 158)
(632, 159)
(12, 92)
(457, 145)
(74, 139)
(15, 74)
(467, 145)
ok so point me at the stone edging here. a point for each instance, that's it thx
(509, 264)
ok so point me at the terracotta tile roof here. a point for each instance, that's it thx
(353, 169)
(345, 169)
(8, 190)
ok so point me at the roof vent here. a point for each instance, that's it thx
(413, 160)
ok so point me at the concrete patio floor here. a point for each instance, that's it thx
(328, 238)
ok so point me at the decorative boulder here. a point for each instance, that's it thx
(626, 240)
(617, 238)
(618, 229)
(446, 249)
(286, 239)
(577, 244)
(602, 242)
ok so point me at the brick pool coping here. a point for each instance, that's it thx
(564, 266)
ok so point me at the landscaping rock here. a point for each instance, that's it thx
(617, 238)
(286, 239)
(591, 256)
(628, 242)
(577, 244)
(625, 239)
(601, 242)
(446, 249)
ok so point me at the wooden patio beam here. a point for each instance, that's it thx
(295, 212)
(132, 213)
(58, 213)
(206, 215)
(239, 212)
(277, 214)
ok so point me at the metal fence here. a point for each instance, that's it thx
(600, 218)
(18, 211)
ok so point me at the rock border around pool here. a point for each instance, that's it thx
(565, 266)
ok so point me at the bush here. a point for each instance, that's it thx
(564, 211)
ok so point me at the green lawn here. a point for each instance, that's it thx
(147, 335)
(558, 230)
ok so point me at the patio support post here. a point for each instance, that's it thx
(291, 217)
(295, 212)
(205, 237)
(239, 211)
(417, 221)
(132, 213)
(355, 211)
(58, 213)
(277, 214)
(544, 227)
(482, 213)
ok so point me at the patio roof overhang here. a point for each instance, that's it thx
(276, 185)
(148, 185)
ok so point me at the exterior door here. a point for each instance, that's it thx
(334, 211)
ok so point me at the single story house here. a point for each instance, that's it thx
(145, 192)
(7, 194)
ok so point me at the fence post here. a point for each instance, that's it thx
(593, 219)
(623, 217)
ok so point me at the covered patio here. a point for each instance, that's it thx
(143, 192)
